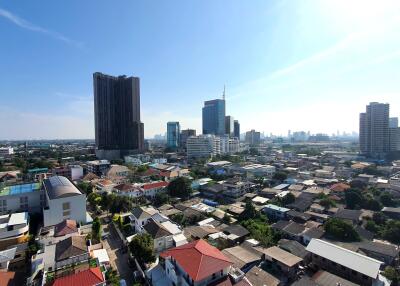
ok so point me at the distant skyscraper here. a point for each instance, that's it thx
(173, 134)
(229, 125)
(214, 116)
(374, 130)
(253, 137)
(236, 129)
(185, 134)
(118, 129)
(393, 122)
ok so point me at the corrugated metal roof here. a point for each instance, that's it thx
(350, 259)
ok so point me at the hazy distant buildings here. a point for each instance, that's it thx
(236, 129)
(185, 134)
(118, 129)
(214, 117)
(229, 125)
(393, 122)
(253, 137)
(374, 130)
(173, 134)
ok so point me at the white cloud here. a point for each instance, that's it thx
(35, 28)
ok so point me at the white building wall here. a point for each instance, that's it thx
(54, 214)
(76, 172)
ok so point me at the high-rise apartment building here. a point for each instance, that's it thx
(118, 129)
(253, 137)
(185, 134)
(374, 130)
(173, 134)
(394, 139)
(236, 129)
(393, 122)
(211, 145)
(229, 125)
(214, 117)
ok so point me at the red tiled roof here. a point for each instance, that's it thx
(124, 187)
(198, 259)
(10, 278)
(155, 185)
(339, 187)
(89, 277)
(65, 227)
(165, 174)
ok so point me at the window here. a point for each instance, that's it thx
(66, 206)
(66, 213)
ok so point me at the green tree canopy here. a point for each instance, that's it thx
(180, 187)
(341, 230)
(142, 248)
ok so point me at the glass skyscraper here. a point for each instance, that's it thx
(214, 117)
(173, 133)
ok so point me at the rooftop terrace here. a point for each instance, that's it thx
(19, 189)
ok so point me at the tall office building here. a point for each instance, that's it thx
(374, 130)
(229, 125)
(253, 137)
(236, 129)
(173, 134)
(214, 117)
(393, 122)
(118, 129)
(185, 134)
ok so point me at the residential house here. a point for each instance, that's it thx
(89, 277)
(196, 263)
(275, 212)
(283, 261)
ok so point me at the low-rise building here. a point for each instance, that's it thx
(275, 212)
(14, 229)
(63, 201)
(343, 262)
(98, 167)
(196, 263)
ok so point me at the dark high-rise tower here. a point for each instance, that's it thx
(236, 129)
(118, 128)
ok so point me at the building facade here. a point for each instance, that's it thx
(185, 134)
(229, 125)
(214, 117)
(253, 137)
(118, 129)
(173, 134)
(236, 129)
(374, 130)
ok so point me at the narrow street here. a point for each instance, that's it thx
(118, 259)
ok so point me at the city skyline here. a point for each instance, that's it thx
(305, 77)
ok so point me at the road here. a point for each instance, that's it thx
(118, 259)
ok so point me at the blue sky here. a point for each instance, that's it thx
(299, 65)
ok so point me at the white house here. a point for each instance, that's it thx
(63, 201)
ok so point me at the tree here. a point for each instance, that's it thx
(96, 229)
(142, 168)
(180, 187)
(280, 176)
(261, 231)
(160, 199)
(341, 230)
(112, 277)
(288, 199)
(371, 226)
(387, 200)
(94, 199)
(379, 218)
(358, 184)
(249, 212)
(327, 203)
(391, 231)
(353, 198)
(392, 274)
(226, 219)
(85, 187)
(141, 247)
